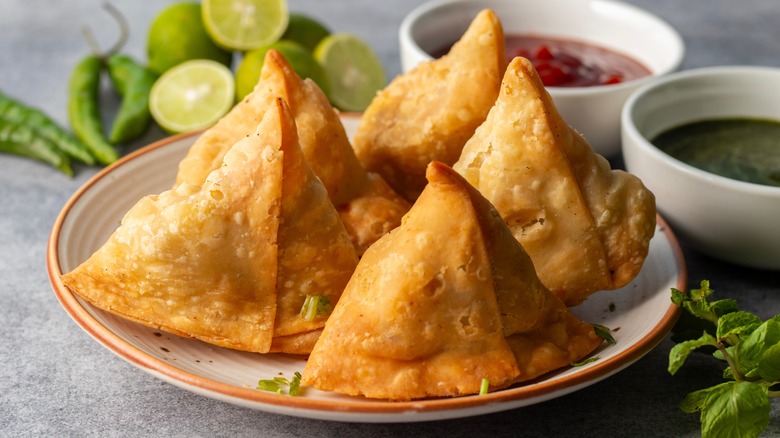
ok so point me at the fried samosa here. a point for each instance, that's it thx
(325, 145)
(431, 111)
(442, 302)
(585, 226)
(232, 261)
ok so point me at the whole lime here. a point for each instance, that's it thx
(301, 60)
(305, 30)
(177, 34)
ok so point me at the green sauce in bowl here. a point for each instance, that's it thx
(742, 149)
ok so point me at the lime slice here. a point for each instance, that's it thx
(177, 35)
(305, 30)
(354, 70)
(245, 24)
(192, 96)
(300, 59)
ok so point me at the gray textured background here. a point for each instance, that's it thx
(56, 381)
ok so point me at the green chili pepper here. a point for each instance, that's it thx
(84, 112)
(133, 82)
(17, 113)
(21, 139)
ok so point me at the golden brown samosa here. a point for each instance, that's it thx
(229, 262)
(323, 141)
(431, 111)
(442, 302)
(585, 226)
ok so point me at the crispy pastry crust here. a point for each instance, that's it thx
(585, 226)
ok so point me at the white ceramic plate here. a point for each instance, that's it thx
(640, 315)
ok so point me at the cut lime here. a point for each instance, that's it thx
(354, 70)
(245, 24)
(192, 96)
(300, 59)
(305, 31)
(177, 35)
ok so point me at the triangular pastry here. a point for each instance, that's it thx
(429, 112)
(324, 143)
(229, 262)
(585, 226)
(439, 304)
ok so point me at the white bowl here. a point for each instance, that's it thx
(593, 111)
(728, 219)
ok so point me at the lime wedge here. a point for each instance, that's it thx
(192, 96)
(245, 24)
(354, 70)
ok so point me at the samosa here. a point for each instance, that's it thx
(368, 206)
(230, 261)
(441, 303)
(585, 226)
(429, 112)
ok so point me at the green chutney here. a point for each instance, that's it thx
(742, 149)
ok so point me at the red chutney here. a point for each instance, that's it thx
(570, 63)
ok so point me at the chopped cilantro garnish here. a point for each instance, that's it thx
(483, 388)
(604, 332)
(277, 385)
(585, 362)
(314, 306)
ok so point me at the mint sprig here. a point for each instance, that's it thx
(750, 347)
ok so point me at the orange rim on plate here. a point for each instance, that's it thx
(318, 408)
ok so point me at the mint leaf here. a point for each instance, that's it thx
(735, 409)
(737, 324)
(751, 349)
(723, 307)
(681, 351)
(697, 400)
(701, 309)
(769, 365)
(695, 302)
(703, 292)
(679, 297)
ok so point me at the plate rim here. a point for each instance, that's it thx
(271, 402)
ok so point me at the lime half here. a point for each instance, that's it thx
(245, 24)
(354, 71)
(192, 96)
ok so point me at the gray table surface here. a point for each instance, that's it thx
(57, 381)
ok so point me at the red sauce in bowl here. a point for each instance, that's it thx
(570, 63)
